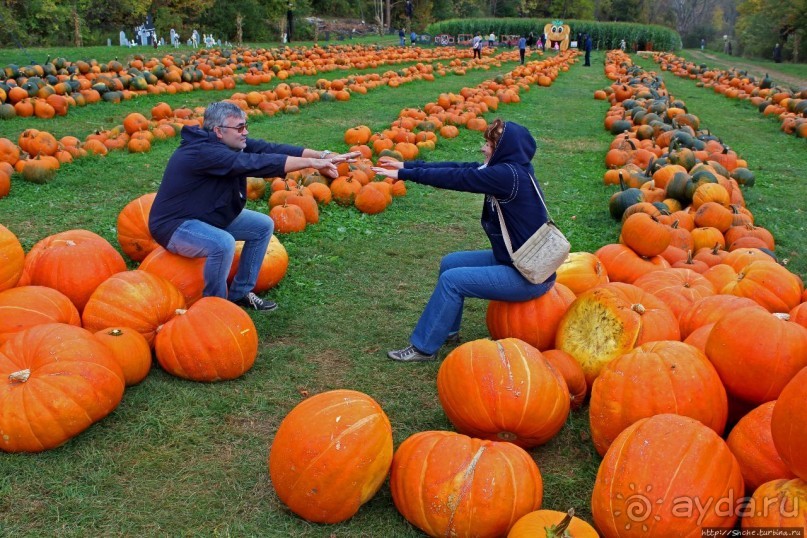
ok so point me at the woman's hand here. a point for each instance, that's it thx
(393, 173)
(390, 163)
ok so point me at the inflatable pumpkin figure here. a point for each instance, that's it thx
(557, 32)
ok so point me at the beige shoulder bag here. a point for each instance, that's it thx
(543, 252)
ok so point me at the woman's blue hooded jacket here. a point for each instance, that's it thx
(508, 176)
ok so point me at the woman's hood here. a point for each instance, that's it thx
(516, 146)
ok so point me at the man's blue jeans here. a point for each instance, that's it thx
(196, 239)
(474, 274)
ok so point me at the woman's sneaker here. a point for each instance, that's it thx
(250, 300)
(410, 354)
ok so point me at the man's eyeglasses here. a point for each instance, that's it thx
(238, 128)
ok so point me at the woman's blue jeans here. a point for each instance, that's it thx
(474, 274)
(196, 239)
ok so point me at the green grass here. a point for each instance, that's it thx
(756, 66)
(181, 458)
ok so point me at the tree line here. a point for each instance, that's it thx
(753, 26)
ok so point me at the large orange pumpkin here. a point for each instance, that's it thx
(581, 271)
(26, 306)
(769, 284)
(751, 443)
(572, 373)
(787, 424)
(330, 455)
(74, 262)
(778, 504)
(756, 369)
(12, 259)
(273, 267)
(534, 321)
(57, 380)
(447, 484)
(135, 299)
(213, 340)
(551, 524)
(708, 310)
(607, 321)
(187, 274)
(655, 378)
(678, 288)
(503, 391)
(131, 351)
(134, 236)
(666, 475)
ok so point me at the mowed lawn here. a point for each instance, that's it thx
(182, 458)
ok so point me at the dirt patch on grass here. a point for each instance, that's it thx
(331, 366)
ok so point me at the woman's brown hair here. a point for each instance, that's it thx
(494, 131)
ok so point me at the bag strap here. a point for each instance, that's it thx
(537, 190)
(505, 233)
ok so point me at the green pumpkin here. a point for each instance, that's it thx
(743, 176)
(622, 200)
(679, 186)
(620, 126)
(7, 112)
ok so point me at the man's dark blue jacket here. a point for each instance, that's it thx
(508, 176)
(206, 180)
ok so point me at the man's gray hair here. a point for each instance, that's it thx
(216, 113)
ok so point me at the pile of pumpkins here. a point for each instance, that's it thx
(76, 327)
(785, 103)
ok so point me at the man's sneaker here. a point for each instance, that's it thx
(453, 338)
(410, 354)
(250, 300)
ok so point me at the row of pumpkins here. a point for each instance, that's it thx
(38, 155)
(789, 105)
(51, 89)
(579, 319)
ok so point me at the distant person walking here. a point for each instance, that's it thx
(777, 53)
(413, 37)
(522, 48)
(491, 40)
(703, 43)
(402, 37)
(476, 45)
(587, 45)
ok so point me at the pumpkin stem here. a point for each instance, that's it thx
(689, 257)
(559, 530)
(784, 316)
(115, 332)
(181, 311)
(638, 308)
(20, 376)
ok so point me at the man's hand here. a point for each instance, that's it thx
(326, 167)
